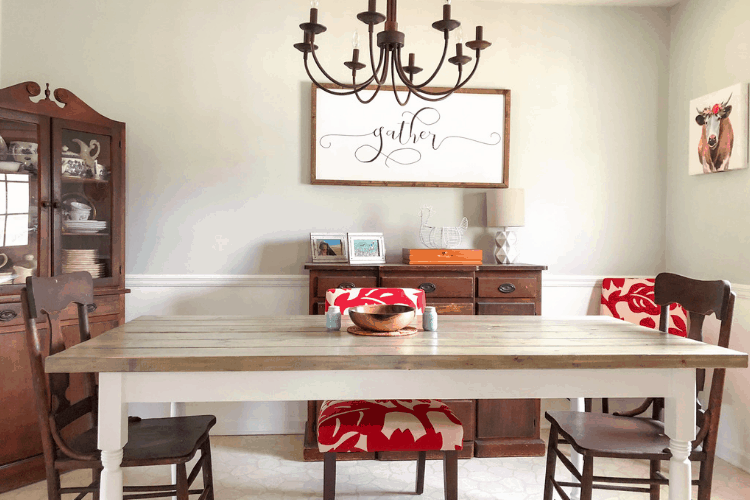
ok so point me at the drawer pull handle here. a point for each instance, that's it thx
(507, 288)
(91, 308)
(427, 287)
(8, 315)
(346, 285)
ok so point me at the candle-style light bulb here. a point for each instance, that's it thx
(314, 3)
(447, 2)
(459, 35)
(355, 40)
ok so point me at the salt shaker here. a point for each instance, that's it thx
(430, 319)
(333, 318)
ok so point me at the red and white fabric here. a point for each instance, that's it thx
(353, 297)
(632, 300)
(388, 425)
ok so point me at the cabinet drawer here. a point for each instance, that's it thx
(451, 307)
(507, 287)
(506, 308)
(352, 281)
(433, 286)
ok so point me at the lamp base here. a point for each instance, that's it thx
(506, 250)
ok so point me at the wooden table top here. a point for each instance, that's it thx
(241, 343)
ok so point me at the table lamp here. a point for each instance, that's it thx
(505, 209)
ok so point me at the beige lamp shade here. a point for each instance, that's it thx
(505, 208)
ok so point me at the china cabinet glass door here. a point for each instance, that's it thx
(86, 168)
(24, 159)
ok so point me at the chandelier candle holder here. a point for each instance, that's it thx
(390, 41)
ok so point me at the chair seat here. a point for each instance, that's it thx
(388, 425)
(603, 435)
(153, 441)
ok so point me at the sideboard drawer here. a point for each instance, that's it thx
(507, 308)
(507, 287)
(433, 286)
(351, 281)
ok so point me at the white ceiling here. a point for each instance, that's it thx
(611, 3)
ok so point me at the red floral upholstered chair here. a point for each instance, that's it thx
(632, 300)
(353, 297)
(390, 425)
(387, 425)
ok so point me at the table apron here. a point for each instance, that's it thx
(399, 384)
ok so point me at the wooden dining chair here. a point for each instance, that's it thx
(635, 437)
(632, 300)
(69, 428)
(353, 297)
(419, 425)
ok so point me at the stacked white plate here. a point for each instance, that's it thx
(84, 226)
(82, 260)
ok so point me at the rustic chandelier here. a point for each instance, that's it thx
(391, 41)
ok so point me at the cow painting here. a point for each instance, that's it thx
(717, 137)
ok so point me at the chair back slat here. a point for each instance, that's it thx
(702, 297)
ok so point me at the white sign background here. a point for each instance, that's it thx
(460, 140)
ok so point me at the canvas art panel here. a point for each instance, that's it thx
(329, 247)
(719, 130)
(366, 248)
(459, 142)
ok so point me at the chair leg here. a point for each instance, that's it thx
(705, 478)
(208, 476)
(329, 476)
(421, 463)
(549, 474)
(605, 405)
(587, 405)
(450, 474)
(587, 478)
(655, 488)
(182, 484)
(96, 477)
(53, 484)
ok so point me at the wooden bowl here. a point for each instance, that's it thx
(382, 318)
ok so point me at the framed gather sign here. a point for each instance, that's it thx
(461, 141)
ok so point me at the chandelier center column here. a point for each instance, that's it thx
(391, 23)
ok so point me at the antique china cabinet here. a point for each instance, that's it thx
(62, 209)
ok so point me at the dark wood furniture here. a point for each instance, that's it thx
(492, 428)
(68, 422)
(633, 437)
(38, 244)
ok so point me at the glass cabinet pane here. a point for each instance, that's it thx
(19, 188)
(86, 203)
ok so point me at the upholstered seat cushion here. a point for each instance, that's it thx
(632, 300)
(353, 297)
(388, 425)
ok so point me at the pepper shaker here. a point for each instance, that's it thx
(333, 318)
(430, 319)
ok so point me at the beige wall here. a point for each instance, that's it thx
(708, 235)
(217, 107)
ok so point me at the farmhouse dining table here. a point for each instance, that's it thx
(294, 358)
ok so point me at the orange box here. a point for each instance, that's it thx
(446, 256)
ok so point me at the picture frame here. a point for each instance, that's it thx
(462, 141)
(366, 248)
(329, 247)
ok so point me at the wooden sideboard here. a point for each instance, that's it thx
(492, 427)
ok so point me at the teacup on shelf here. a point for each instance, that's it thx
(74, 214)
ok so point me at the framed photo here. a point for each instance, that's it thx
(366, 248)
(719, 131)
(462, 141)
(329, 247)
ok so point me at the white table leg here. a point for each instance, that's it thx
(576, 404)
(176, 410)
(113, 433)
(679, 423)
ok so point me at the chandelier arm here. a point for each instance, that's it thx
(422, 94)
(330, 78)
(434, 74)
(372, 61)
(367, 101)
(321, 87)
(393, 83)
